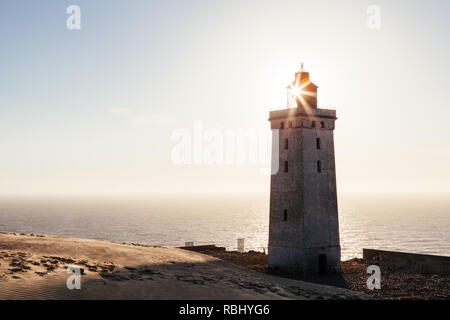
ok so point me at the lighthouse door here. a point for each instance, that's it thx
(322, 264)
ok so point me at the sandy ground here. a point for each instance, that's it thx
(398, 281)
(35, 267)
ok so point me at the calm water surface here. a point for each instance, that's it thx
(406, 223)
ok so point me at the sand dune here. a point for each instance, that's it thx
(35, 267)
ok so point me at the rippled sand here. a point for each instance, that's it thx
(35, 267)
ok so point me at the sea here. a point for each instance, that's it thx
(417, 223)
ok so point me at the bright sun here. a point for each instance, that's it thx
(295, 91)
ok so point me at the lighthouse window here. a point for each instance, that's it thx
(318, 143)
(286, 166)
(319, 166)
(285, 215)
(286, 144)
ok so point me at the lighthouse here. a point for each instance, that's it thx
(304, 226)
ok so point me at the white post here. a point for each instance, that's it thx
(240, 245)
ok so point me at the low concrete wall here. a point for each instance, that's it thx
(203, 248)
(422, 263)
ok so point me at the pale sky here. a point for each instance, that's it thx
(93, 110)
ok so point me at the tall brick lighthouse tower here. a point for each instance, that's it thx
(304, 227)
